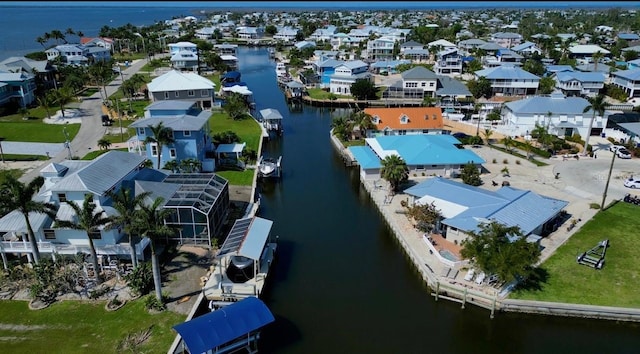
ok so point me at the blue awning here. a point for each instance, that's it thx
(224, 325)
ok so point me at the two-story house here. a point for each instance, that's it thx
(286, 34)
(184, 60)
(43, 69)
(190, 129)
(200, 203)
(324, 68)
(405, 121)
(346, 75)
(510, 80)
(563, 115)
(506, 39)
(380, 49)
(420, 79)
(448, 62)
(18, 87)
(248, 32)
(577, 83)
(178, 47)
(176, 85)
(527, 49)
(628, 80)
(103, 42)
(323, 34)
(72, 54)
(226, 49)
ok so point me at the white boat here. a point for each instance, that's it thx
(281, 69)
(269, 167)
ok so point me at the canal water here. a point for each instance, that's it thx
(341, 283)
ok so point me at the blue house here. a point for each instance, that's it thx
(325, 69)
(19, 87)
(190, 128)
(464, 207)
(425, 155)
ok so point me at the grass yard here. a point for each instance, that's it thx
(247, 129)
(320, 94)
(238, 178)
(78, 327)
(93, 154)
(615, 284)
(37, 131)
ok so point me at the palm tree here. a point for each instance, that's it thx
(507, 141)
(162, 136)
(104, 144)
(394, 170)
(88, 220)
(488, 132)
(598, 105)
(364, 122)
(172, 165)
(149, 221)
(126, 204)
(57, 35)
(46, 102)
(42, 41)
(190, 165)
(596, 58)
(62, 96)
(15, 195)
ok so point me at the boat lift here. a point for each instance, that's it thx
(269, 167)
(594, 257)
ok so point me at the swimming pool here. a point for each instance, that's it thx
(448, 255)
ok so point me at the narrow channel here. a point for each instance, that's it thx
(342, 284)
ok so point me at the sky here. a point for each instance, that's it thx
(326, 4)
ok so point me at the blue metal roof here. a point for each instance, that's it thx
(632, 75)
(224, 325)
(506, 72)
(428, 149)
(542, 105)
(365, 156)
(580, 76)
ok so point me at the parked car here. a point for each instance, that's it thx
(632, 183)
(614, 148)
(623, 153)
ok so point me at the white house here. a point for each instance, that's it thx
(448, 62)
(286, 34)
(628, 80)
(506, 39)
(527, 49)
(380, 49)
(346, 75)
(184, 60)
(576, 83)
(175, 48)
(510, 80)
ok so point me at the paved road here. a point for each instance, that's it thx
(91, 129)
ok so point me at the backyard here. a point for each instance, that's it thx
(564, 280)
(79, 327)
(33, 129)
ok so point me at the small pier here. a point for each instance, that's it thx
(272, 120)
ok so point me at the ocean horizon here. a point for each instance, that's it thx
(88, 17)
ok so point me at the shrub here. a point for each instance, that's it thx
(517, 162)
(594, 205)
(151, 302)
(141, 279)
(495, 161)
(505, 161)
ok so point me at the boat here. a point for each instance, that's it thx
(272, 52)
(269, 167)
(281, 70)
(242, 264)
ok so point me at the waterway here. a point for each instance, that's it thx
(341, 283)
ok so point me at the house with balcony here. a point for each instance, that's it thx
(585, 52)
(563, 115)
(325, 68)
(448, 62)
(471, 44)
(226, 49)
(248, 32)
(342, 40)
(577, 83)
(103, 42)
(184, 60)
(628, 80)
(441, 44)
(18, 87)
(97, 53)
(43, 69)
(346, 75)
(200, 201)
(405, 121)
(380, 49)
(178, 47)
(415, 84)
(323, 34)
(286, 34)
(176, 85)
(506, 39)
(510, 80)
(527, 49)
(424, 154)
(190, 130)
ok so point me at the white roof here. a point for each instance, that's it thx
(178, 81)
(442, 42)
(227, 57)
(588, 49)
(243, 90)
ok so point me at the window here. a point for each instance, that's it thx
(204, 93)
(140, 131)
(154, 149)
(172, 153)
(431, 84)
(166, 95)
(402, 132)
(62, 197)
(176, 94)
(95, 235)
(420, 167)
(49, 234)
(187, 133)
(191, 93)
(424, 84)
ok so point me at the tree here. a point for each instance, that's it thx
(42, 41)
(394, 170)
(473, 66)
(190, 165)
(270, 30)
(149, 221)
(126, 204)
(161, 136)
(46, 102)
(172, 165)
(596, 59)
(501, 250)
(235, 106)
(104, 144)
(480, 87)
(470, 174)
(62, 96)
(546, 85)
(225, 137)
(341, 127)
(630, 55)
(363, 121)
(89, 220)
(507, 141)
(15, 195)
(57, 35)
(425, 216)
(598, 105)
(363, 89)
(487, 133)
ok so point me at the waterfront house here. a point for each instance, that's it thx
(205, 33)
(176, 85)
(628, 80)
(43, 69)
(324, 68)
(464, 207)
(380, 48)
(18, 87)
(304, 45)
(453, 95)
(405, 121)
(226, 49)
(286, 34)
(424, 154)
(387, 66)
(190, 130)
(510, 80)
(448, 62)
(184, 60)
(103, 42)
(346, 75)
(248, 32)
(563, 115)
(577, 83)
(178, 47)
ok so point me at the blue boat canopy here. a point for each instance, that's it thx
(232, 75)
(224, 325)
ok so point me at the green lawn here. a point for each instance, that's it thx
(79, 327)
(93, 154)
(247, 129)
(238, 178)
(37, 131)
(616, 283)
(320, 94)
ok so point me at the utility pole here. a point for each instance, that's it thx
(1, 152)
(67, 143)
(606, 186)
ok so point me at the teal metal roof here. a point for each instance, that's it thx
(221, 326)
(366, 158)
(424, 149)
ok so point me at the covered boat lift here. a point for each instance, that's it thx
(271, 119)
